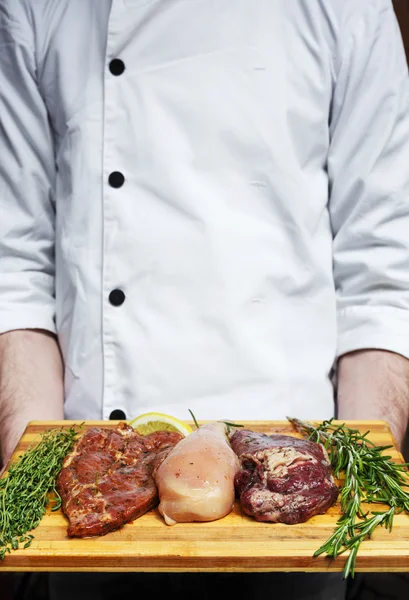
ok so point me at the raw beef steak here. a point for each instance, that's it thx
(106, 480)
(282, 478)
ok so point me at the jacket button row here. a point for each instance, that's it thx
(116, 180)
(117, 67)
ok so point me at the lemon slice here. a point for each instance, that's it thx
(153, 421)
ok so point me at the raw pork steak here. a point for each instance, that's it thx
(106, 480)
(282, 478)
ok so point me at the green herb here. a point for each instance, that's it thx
(370, 476)
(194, 419)
(25, 490)
(227, 423)
(232, 424)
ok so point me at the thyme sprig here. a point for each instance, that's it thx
(370, 477)
(29, 487)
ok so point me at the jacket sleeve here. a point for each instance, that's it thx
(368, 166)
(27, 175)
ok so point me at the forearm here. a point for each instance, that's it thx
(374, 384)
(31, 383)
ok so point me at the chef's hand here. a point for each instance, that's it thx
(374, 384)
(7, 451)
(31, 384)
(8, 445)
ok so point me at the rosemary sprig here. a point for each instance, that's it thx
(370, 477)
(25, 490)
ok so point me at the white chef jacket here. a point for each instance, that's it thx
(206, 200)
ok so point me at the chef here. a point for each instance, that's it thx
(204, 204)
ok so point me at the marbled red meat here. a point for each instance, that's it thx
(282, 478)
(106, 480)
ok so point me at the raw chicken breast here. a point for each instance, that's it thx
(196, 480)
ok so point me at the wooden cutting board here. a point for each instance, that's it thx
(235, 543)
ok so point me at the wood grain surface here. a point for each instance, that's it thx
(234, 543)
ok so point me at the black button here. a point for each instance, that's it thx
(116, 179)
(117, 297)
(117, 66)
(117, 415)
